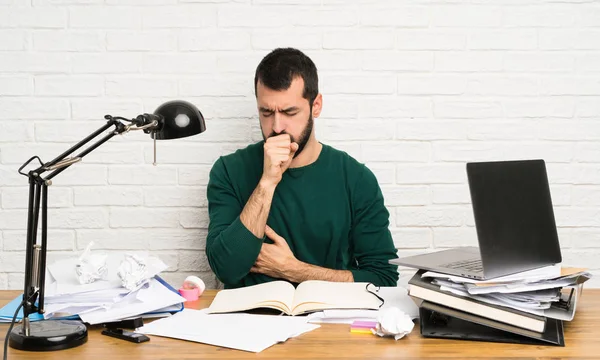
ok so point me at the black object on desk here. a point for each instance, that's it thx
(115, 329)
(126, 335)
(125, 324)
(438, 321)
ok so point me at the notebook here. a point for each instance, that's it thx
(309, 296)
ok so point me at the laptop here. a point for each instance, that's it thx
(514, 221)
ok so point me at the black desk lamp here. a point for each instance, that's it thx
(171, 120)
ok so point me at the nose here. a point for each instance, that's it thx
(278, 123)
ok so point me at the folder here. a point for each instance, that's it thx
(438, 321)
(420, 288)
(8, 311)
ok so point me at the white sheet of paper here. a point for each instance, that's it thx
(494, 301)
(67, 282)
(342, 316)
(560, 313)
(547, 272)
(106, 295)
(520, 287)
(246, 332)
(147, 299)
(393, 297)
(54, 311)
(339, 321)
(63, 272)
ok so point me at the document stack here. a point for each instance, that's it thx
(112, 298)
(527, 307)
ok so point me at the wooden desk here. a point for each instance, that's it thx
(582, 337)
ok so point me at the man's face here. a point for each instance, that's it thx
(285, 112)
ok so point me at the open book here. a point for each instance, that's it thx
(309, 296)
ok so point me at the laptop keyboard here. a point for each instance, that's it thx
(473, 265)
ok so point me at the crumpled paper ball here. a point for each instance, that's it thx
(132, 272)
(393, 322)
(91, 267)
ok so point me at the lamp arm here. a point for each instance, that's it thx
(35, 255)
(79, 156)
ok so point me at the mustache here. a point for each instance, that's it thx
(273, 133)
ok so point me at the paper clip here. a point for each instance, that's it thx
(565, 304)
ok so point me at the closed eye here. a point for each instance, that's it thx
(291, 111)
(266, 111)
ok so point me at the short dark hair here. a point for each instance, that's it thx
(277, 70)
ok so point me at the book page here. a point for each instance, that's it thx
(319, 295)
(277, 295)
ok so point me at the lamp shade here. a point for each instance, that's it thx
(178, 119)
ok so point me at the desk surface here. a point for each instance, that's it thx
(582, 338)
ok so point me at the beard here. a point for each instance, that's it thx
(304, 136)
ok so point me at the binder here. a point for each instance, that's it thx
(438, 321)
(8, 311)
(424, 289)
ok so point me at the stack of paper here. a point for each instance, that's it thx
(240, 331)
(392, 296)
(103, 300)
(527, 308)
(539, 292)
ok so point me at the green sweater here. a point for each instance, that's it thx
(331, 213)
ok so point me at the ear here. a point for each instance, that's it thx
(317, 106)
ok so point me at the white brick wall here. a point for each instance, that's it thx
(412, 88)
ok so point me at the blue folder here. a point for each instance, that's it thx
(8, 311)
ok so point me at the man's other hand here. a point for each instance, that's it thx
(274, 259)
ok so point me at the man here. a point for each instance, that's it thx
(290, 207)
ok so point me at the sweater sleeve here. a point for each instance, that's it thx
(373, 246)
(231, 248)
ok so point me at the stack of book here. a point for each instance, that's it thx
(527, 308)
